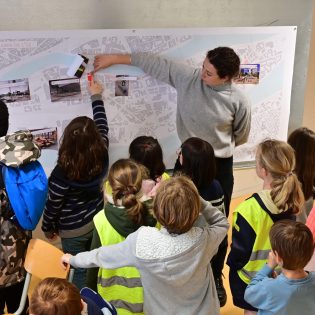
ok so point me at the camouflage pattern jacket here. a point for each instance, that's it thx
(13, 244)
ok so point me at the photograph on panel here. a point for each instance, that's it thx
(64, 89)
(15, 90)
(249, 74)
(46, 138)
(121, 85)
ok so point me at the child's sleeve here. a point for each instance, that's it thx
(216, 221)
(243, 238)
(256, 292)
(99, 116)
(110, 257)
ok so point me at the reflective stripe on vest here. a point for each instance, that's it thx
(259, 255)
(122, 286)
(126, 282)
(261, 223)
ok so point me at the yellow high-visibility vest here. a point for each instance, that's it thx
(122, 287)
(261, 222)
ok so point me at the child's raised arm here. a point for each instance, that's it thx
(99, 114)
(217, 222)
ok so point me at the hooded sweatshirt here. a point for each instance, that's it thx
(175, 271)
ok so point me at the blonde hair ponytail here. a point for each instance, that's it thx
(278, 159)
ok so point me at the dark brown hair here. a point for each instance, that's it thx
(55, 296)
(294, 243)
(147, 151)
(177, 204)
(83, 152)
(4, 119)
(225, 61)
(125, 178)
(277, 158)
(302, 141)
(198, 161)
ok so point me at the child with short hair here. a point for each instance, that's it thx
(174, 261)
(197, 161)
(55, 296)
(293, 291)
(75, 184)
(126, 209)
(281, 198)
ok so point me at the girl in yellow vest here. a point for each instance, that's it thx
(127, 209)
(281, 198)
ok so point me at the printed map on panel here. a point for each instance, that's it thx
(33, 64)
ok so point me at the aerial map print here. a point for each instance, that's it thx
(40, 95)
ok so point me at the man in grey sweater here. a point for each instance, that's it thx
(209, 107)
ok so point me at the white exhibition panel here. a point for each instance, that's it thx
(42, 57)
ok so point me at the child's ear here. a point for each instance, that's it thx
(278, 258)
(264, 172)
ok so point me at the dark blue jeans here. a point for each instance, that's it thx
(225, 177)
(75, 246)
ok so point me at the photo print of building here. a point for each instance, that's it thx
(15, 90)
(64, 89)
(249, 74)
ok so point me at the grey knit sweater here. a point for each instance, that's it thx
(220, 114)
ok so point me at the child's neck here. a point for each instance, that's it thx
(267, 182)
(294, 274)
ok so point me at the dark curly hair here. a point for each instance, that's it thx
(83, 152)
(225, 61)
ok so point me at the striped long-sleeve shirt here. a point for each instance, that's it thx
(71, 205)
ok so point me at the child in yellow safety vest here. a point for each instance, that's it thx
(173, 261)
(126, 209)
(281, 198)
